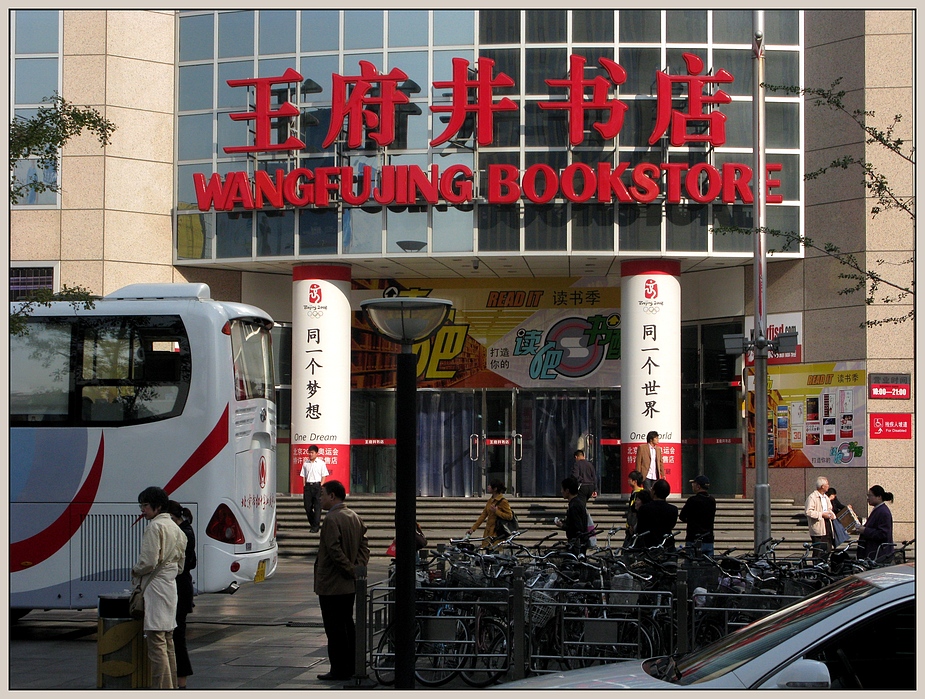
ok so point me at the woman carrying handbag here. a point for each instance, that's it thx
(163, 548)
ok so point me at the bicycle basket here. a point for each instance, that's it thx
(541, 607)
(626, 583)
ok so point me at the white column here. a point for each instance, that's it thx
(321, 323)
(650, 395)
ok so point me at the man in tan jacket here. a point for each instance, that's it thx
(649, 460)
(343, 546)
(818, 513)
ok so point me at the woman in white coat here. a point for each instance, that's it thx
(163, 548)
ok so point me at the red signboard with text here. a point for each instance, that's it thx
(891, 425)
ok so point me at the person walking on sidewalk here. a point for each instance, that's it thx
(699, 512)
(314, 471)
(343, 546)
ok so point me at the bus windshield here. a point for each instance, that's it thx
(253, 360)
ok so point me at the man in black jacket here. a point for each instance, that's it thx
(657, 518)
(699, 512)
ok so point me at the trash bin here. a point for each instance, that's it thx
(121, 652)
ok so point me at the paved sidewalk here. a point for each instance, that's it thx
(265, 636)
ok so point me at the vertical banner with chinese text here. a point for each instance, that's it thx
(650, 398)
(321, 321)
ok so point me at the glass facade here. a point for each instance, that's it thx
(532, 47)
(36, 77)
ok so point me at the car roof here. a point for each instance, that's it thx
(889, 576)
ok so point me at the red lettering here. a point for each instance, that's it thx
(401, 184)
(265, 187)
(385, 192)
(735, 180)
(238, 191)
(297, 187)
(324, 184)
(456, 184)
(347, 190)
(420, 184)
(211, 195)
(550, 180)
(568, 182)
(609, 182)
(502, 183)
(645, 181)
(492, 301)
(713, 180)
(673, 190)
(773, 184)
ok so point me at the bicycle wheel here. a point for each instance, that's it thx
(491, 658)
(440, 650)
(384, 658)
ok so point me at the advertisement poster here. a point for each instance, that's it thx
(539, 333)
(816, 415)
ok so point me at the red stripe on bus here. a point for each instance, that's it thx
(39, 547)
(210, 448)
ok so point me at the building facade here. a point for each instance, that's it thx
(522, 164)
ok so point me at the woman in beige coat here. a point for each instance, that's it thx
(497, 506)
(163, 550)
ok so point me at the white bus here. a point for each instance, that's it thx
(156, 385)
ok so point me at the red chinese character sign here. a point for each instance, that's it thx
(650, 396)
(364, 108)
(891, 425)
(321, 319)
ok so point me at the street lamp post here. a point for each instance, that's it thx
(405, 320)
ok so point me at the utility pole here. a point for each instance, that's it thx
(762, 487)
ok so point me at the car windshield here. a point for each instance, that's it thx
(747, 643)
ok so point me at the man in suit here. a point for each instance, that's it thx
(649, 460)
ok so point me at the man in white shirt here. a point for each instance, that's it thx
(314, 471)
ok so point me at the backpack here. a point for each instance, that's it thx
(505, 527)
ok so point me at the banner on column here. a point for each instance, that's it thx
(650, 398)
(321, 321)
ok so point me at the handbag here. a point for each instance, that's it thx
(136, 601)
(839, 534)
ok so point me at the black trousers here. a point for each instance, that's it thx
(337, 616)
(184, 668)
(311, 501)
(585, 490)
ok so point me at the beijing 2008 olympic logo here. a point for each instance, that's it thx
(651, 289)
(314, 293)
(262, 472)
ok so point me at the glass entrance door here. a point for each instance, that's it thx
(553, 425)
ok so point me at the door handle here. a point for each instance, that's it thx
(589, 440)
(518, 446)
(474, 447)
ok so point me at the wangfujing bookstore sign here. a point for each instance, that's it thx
(364, 109)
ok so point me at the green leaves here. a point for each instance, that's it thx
(43, 135)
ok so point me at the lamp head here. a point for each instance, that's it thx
(407, 319)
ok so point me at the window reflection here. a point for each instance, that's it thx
(320, 30)
(37, 31)
(277, 31)
(233, 233)
(235, 34)
(275, 230)
(36, 79)
(195, 87)
(196, 41)
(363, 29)
(453, 27)
(317, 231)
(407, 28)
